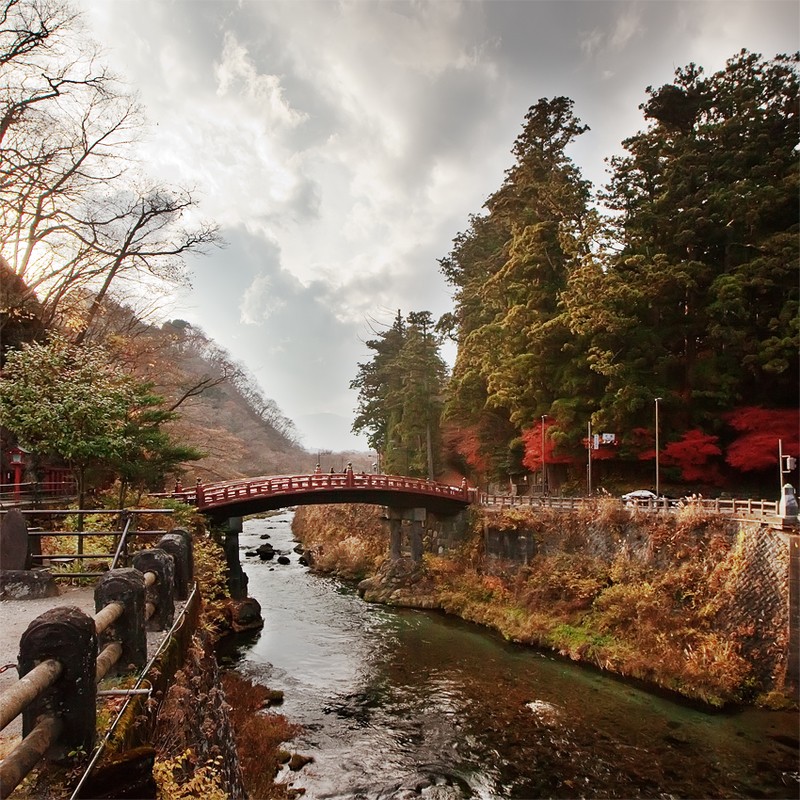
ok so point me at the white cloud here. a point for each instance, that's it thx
(238, 77)
(628, 26)
(342, 145)
(260, 301)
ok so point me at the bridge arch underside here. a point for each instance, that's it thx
(243, 506)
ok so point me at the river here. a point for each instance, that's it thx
(403, 704)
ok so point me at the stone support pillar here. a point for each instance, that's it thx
(237, 580)
(416, 517)
(125, 586)
(416, 540)
(67, 635)
(395, 539)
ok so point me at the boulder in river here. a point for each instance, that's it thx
(297, 761)
(265, 552)
(246, 614)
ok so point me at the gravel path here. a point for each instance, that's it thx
(15, 616)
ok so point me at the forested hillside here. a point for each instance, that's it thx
(670, 292)
(90, 245)
(222, 411)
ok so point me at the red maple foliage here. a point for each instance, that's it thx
(694, 453)
(532, 439)
(756, 447)
(642, 442)
(465, 442)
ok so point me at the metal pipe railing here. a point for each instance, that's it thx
(123, 542)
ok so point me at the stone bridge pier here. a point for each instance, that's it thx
(237, 579)
(416, 517)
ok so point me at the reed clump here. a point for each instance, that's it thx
(260, 736)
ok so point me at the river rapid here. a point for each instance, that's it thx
(402, 704)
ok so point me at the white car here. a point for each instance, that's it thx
(639, 495)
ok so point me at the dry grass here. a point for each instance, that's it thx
(350, 540)
(259, 735)
(645, 596)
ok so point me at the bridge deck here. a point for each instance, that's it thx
(251, 495)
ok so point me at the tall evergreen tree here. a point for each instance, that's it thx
(379, 383)
(400, 395)
(513, 362)
(699, 304)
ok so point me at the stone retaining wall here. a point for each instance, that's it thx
(763, 598)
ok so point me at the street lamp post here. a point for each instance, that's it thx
(544, 460)
(657, 484)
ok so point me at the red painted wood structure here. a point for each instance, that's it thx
(238, 498)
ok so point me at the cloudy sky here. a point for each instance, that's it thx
(341, 146)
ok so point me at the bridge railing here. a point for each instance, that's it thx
(205, 495)
(64, 654)
(725, 506)
(34, 492)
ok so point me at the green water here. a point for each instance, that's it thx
(404, 704)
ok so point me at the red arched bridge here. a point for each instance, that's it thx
(238, 498)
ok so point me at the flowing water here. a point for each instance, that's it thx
(404, 704)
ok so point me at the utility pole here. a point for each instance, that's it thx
(544, 460)
(657, 492)
(589, 450)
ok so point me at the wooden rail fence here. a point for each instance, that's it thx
(766, 509)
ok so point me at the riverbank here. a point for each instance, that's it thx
(689, 603)
(217, 735)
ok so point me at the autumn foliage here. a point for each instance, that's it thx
(759, 429)
(694, 454)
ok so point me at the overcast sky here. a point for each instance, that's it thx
(341, 146)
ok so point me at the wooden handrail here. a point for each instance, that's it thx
(208, 495)
(24, 757)
(14, 700)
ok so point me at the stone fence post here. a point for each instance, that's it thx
(125, 586)
(787, 509)
(67, 635)
(178, 547)
(161, 593)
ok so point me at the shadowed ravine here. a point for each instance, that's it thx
(399, 704)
